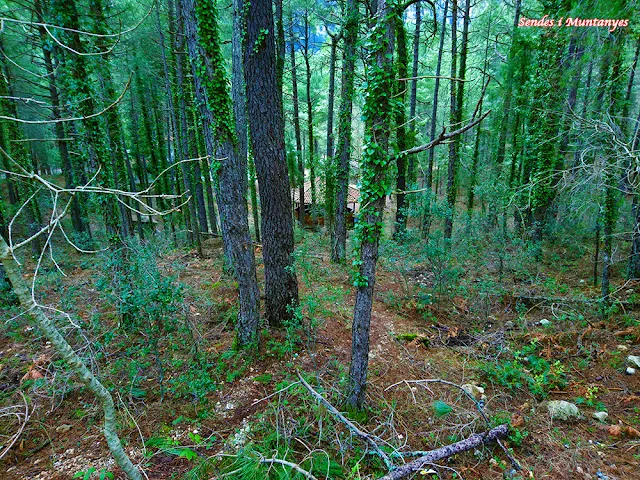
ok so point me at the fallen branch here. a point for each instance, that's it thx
(72, 359)
(447, 451)
(370, 439)
(291, 465)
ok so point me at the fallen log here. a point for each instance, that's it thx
(447, 451)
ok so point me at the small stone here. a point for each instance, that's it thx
(622, 348)
(474, 390)
(634, 359)
(545, 322)
(561, 410)
(601, 416)
(630, 371)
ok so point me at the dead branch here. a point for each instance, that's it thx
(444, 136)
(73, 119)
(22, 418)
(291, 465)
(370, 439)
(447, 451)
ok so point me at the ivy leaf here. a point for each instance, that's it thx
(441, 408)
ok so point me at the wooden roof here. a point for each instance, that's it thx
(353, 195)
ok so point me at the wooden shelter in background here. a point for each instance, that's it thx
(311, 220)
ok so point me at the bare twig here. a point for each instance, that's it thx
(370, 439)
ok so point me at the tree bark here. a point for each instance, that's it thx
(435, 456)
(267, 142)
(296, 126)
(343, 150)
(311, 144)
(215, 106)
(379, 113)
(329, 202)
(426, 223)
(453, 118)
(401, 129)
(508, 93)
(413, 99)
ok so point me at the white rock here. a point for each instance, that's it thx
(474, 390)
(622, 348)
(602, 416)
(630, 371)
(635, 359)
(561, 410)
(545, 322)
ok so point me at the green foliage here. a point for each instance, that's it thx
(441, 409)
(89, 473)
(527, 370)
(172, 447)
(215, 80)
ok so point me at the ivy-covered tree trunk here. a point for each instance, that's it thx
(611, 176)
(267, 141)
(343, 150)
(216, 111)
(542, 152)
(426, 221)
(75, 75)
(78, 217)
(113, 125)
(378, 115)
(183, 133)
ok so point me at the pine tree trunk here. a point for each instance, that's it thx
(208, 70)
(375, 162)
(453, 120)
(343, 150)
(413, 99)
(182, 135)
(426, 222)
(311, 144)
(77, 217)
(296, 127)
(401, 129)
(267, 142)
(329, 199)
(508, 93)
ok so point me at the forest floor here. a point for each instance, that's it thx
(525, 338)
